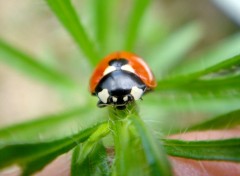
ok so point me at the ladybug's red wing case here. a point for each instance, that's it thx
(141, 69)
(98, 72)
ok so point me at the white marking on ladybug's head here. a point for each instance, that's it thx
(136, 93)
(114, 99)
(109, 69)
(125, 98)
(103, 95)
(127, 67)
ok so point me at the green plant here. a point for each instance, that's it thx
(213, 88)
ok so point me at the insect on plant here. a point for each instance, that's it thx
(121, 78)
(130, 137)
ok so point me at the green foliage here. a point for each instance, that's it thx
(153, 150)
(51, 127)
(211, 88)
(34, 156)
(32, 66)
(134, 22)
(126, 145)
(226, 121)
(130, 135)
(87, 147)
(102, 23)
(222, 76)
(223, 50)
(68, 17)
(227, 150)
(94, 164)
(167, 54)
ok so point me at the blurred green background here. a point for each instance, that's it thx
(184, 30)
(43, 71)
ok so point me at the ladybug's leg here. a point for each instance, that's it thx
(100, 104)
(130, 98)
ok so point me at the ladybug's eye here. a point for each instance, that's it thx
(128, 98)
(125, 98)
(112, 99)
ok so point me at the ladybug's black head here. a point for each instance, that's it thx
(118, 88)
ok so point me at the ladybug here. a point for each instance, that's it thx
(120, 78)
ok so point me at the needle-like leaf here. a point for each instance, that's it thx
(219, 52)
(48, 127)
(154, 152)
(103, 20)
(136, 16)
(227, 150)
(34, 156)
(224, 75)
(68, 16)
(165, 56)
(94, 164)
(32, 66)
(225, 121)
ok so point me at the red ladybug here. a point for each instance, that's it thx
(120, 78)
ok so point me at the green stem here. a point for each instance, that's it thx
(116, 114)
(137, 151)
(124, 139)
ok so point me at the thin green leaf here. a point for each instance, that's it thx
(151, 33)
(102, 21)
(94, 164)
(154, 152)
(136, 16)
(203, 86)
(75, 167)
(167, 54)
(68, 17)
(115, 34)
(34, 156)
(32, 66)
(48, 127)
(226, 67)
(101, 132)
(182, 106)
(219, 52)
(222, 75)
(225, 121)
(226, 150)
